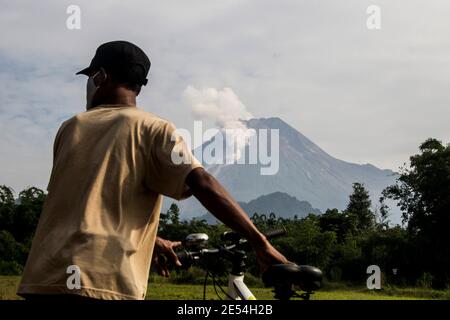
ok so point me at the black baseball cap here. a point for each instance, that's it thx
(117, 57)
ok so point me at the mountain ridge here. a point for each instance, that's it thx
(305, 172)
(280, 203)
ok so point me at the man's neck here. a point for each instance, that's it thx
(120, 96)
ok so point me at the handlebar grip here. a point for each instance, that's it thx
(182, 255)
(276, 233)
(185, 259)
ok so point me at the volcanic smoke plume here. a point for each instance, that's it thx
(223, 110)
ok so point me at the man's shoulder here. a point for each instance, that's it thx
(148, 118)
(154, 127)
(139, 112)
(133, 116)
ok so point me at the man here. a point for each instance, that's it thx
(111, 166)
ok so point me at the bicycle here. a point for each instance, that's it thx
(284, 278)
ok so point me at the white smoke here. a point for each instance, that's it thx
(222, 107)
(223, 110)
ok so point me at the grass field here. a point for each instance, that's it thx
(167, 291)
(163, 290)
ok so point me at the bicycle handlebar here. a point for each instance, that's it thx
(188, 257)
(281, 276)
(276, 233)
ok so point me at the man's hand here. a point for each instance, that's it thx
(267, 255)
(162, 252)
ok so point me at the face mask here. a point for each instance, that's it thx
(91, 88)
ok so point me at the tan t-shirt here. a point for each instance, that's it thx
(111, 166)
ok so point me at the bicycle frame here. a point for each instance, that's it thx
(237, 289)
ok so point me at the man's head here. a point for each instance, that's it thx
(116, 74)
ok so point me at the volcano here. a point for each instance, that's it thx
(306, 172)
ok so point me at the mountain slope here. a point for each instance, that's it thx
(305, 172)
(282, 204)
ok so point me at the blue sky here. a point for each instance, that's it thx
(363, 96)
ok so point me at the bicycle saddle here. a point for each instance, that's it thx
(308, 278)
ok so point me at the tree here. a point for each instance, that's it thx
(27, 213)
(305, 243)
(340, 223)
(6, 208)
(359, 207)
(382, 214)
(423, 190)
(174, 214)
(423, 194)
(255, 218)
(10, 249)
(272, 219)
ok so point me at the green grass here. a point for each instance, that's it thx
(168, 291)
(162, 289)
(8, 286)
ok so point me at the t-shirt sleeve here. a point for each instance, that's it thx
(55, 150)
(169, 163)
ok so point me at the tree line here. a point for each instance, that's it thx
(343, 243)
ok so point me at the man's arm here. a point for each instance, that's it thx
(220, 203)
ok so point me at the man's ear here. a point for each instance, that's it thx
(100, 77)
